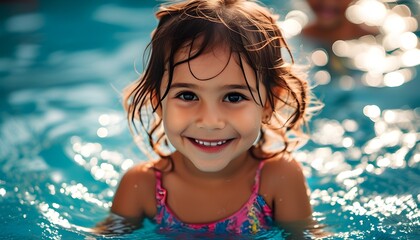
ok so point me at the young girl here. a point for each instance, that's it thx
(218, 103)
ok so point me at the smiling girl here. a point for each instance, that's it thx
(218, 102)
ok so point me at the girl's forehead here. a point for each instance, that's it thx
(192, 48)
(214, 61)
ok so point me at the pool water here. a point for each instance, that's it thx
(64, 141)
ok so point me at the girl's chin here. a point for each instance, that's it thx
(209, 167)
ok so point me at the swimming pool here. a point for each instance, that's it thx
(64, 142)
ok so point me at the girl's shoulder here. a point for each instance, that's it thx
(281, 167)
(145, 172)
(135, 196)
(140, 173)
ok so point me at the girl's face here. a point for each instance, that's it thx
(212, 122)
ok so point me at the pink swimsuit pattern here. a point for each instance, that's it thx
(254, 217)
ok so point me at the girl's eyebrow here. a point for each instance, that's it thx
(184, 85)
(226, 87)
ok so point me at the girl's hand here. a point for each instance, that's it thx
(115, 224)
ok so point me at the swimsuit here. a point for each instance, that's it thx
(254, 217)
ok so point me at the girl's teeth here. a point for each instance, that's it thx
(210, 144)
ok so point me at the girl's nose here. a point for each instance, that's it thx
(210, 117)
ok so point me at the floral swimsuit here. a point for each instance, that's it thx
(254, 217)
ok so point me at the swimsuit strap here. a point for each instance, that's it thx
(160, 191)
(256, 187)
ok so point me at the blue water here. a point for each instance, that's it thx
(64, 141)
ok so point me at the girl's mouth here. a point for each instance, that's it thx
(210, 145)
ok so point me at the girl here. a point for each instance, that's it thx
(216, 99)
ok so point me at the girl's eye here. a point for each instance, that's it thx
(234, 97)
(187, 96)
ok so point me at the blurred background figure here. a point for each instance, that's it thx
(331, 24)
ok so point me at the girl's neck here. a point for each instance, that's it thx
(239, 166)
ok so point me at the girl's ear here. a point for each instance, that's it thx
(267, 113)
(157, 105)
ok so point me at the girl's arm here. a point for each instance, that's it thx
(133, 201)
(288, 188)
(291, 202)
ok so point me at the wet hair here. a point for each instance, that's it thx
(251, 33)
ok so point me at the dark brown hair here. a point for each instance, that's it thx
(250, 31)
